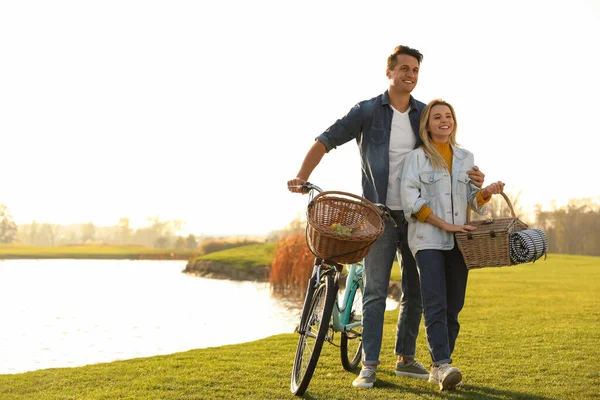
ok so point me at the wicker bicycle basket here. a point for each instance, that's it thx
(354, 212)
(488, 245)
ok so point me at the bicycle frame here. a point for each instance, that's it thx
(341, 309)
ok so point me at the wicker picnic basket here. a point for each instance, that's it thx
(488, 245)
(349, 210)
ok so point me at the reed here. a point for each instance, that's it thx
(292, 265)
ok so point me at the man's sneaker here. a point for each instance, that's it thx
(446, 376)
(365, 379)
(413, 369)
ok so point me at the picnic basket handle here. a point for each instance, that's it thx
(512, 210)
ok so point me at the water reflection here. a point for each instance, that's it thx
(66, 313)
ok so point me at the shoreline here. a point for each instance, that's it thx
(218, 270)
(93, 252)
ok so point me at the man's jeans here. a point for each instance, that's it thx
(443, 275)
(378, 266)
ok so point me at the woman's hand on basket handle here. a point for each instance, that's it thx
(494, 188)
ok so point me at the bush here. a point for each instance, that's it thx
(292, 265)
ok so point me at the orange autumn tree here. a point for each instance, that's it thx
(292, 265)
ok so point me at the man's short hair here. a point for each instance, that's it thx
(392, 59)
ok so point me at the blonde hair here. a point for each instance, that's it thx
(428, 147)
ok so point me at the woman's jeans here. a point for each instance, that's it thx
(378, 266)
(443, 275)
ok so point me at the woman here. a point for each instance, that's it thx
(435, 190)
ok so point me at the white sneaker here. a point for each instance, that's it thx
(446, 376)
(365, 379)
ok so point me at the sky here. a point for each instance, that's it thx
(201, 111)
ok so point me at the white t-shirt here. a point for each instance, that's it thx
(402, 141)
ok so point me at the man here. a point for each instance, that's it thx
(385, 128)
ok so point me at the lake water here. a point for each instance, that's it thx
(67, 313)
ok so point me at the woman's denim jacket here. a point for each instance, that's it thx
(447, 196)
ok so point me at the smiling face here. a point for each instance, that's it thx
(405, 74)
(441, 123)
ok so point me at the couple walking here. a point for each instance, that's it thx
(411, 163)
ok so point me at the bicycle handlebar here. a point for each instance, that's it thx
(307, 187)
(386, 213)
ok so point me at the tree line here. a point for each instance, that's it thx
(571, 229)
(162, 234)
(157, 233)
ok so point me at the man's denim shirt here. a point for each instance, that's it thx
(370, 123)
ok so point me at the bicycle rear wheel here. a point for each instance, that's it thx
(351, 341)
(313, 331)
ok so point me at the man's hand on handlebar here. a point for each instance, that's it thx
(295, 185)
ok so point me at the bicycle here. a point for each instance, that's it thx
(326, 312)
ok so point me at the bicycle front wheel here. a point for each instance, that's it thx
(313, 331)
(351, 340)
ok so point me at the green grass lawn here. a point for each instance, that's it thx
(528, 332)
(91, 252)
